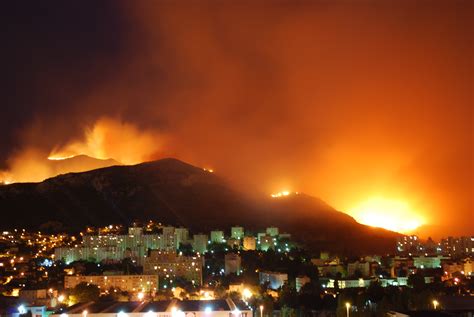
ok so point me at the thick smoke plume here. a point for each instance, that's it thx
(106, 139)
(346, 101)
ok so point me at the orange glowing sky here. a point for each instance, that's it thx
(366, 105)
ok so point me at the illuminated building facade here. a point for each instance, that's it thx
(266, 242)
(237, 232)
(169, 265)
(358, 268)
(249, 243)
(200, 242)
(217, 236)
(272, 231)
(428, 262)
(181, 236)
(129, 283)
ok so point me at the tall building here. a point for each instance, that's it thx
(95, 254)
(237, 232)
(168, 239)
(250, 243)
(272, 231)
(361, 268)
(111, 247)
(217, 236)
(409, 244)
(181, 236)
(428, 262)
(234, 243)
(169, 265)
(200, 242)
(135, 231)
(457, 245)
(129, 283)
(232, 264)
(266, 242)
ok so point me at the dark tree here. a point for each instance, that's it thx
(84, 292)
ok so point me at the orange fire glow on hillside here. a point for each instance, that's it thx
(109, 138)
(106, 138)
(395, 215)
(283, 193)
(60, 158)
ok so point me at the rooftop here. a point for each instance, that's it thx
(114, 307)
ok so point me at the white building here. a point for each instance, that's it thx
(217, 236)
(272, 231)
(237, 232)
(200, 242)
(428, 262)
(181, 236)
(169, 265)
(356, 267)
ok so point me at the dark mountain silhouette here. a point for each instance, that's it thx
(177, 193)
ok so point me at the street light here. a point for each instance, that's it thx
(246, 293)
(348, 305)
(435, 304)
(261, 310)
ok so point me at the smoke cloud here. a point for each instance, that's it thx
(343, 101)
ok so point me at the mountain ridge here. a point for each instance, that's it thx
(180, 194)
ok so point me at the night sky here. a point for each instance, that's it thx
(345, 100)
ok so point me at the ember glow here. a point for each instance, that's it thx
(280, 194)
(283, 193)
(60, 158)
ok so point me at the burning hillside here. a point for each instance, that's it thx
(107, 142)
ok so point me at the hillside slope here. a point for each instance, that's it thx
(177, 193)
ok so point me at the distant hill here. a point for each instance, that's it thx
(177, 193)
(79, 163)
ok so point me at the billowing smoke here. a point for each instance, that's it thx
(116, 139)
(105, 139)
(343, 101)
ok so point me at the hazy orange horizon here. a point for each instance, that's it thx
(367, 106)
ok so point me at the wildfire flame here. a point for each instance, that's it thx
(109, 138)
(106, 139)
(395, 215)
(283, 193)
(61, 158)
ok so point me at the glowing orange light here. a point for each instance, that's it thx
(60, 158)
(385, 213)
(283, 193)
